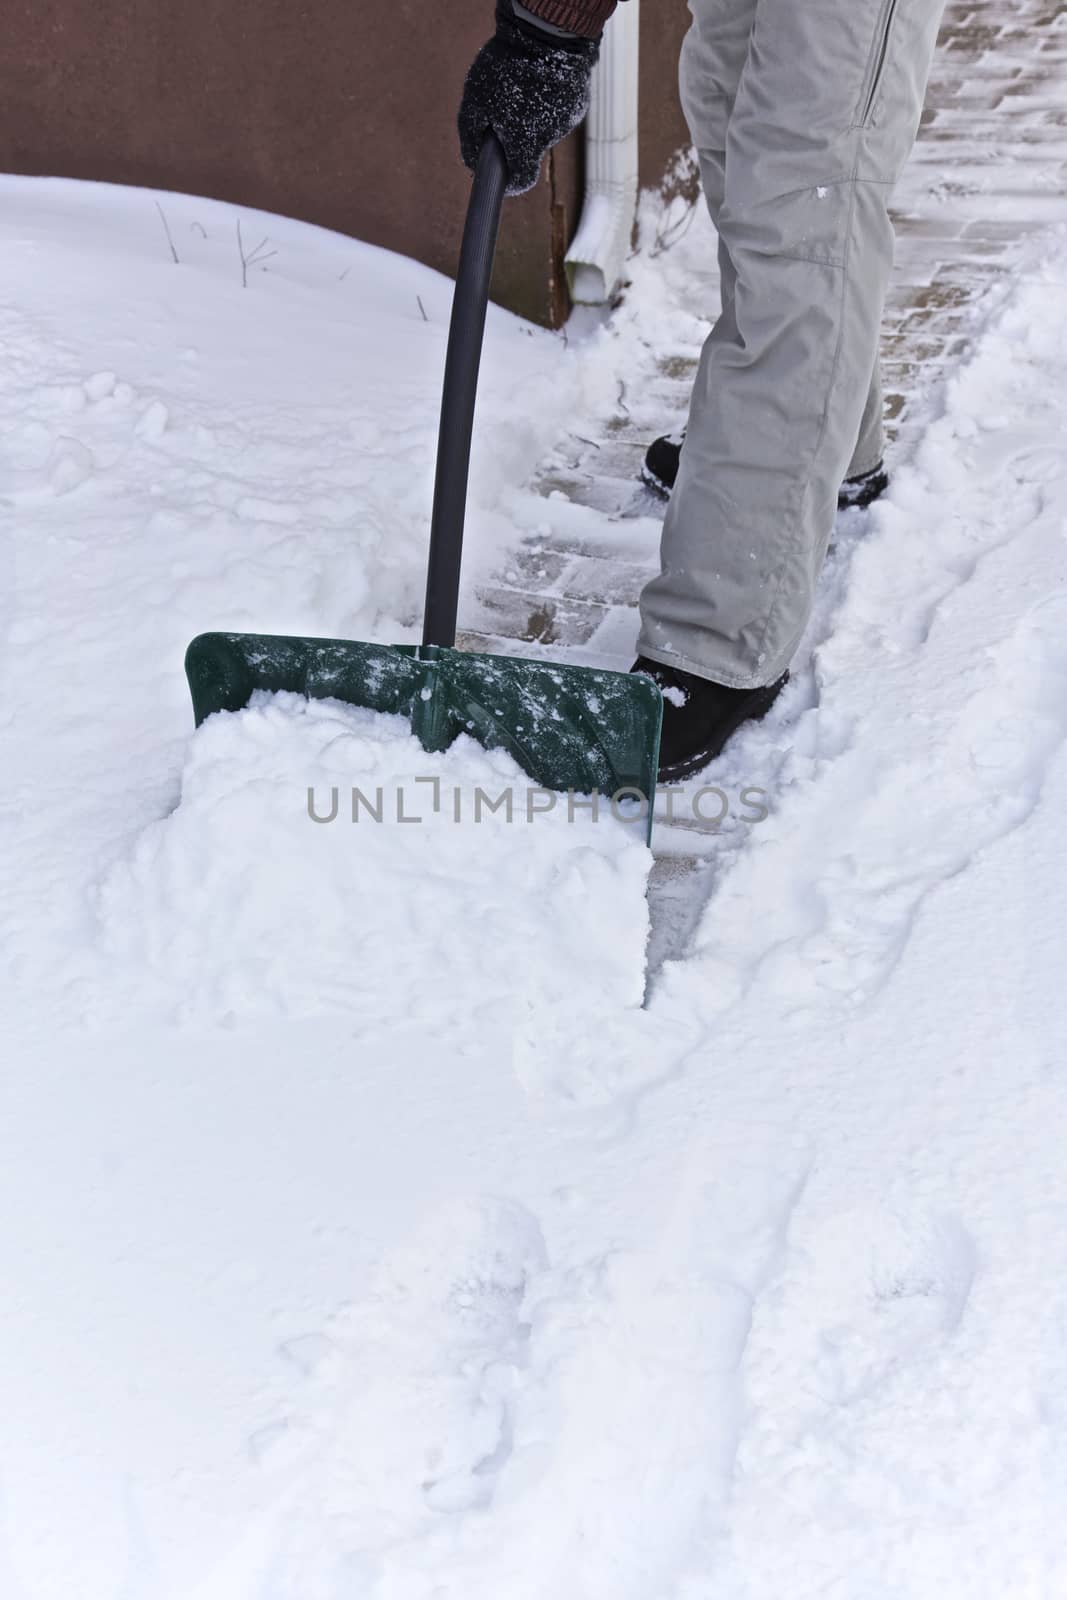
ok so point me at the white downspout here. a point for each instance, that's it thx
(595, 260)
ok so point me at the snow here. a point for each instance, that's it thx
(390, 885)
(367, 1237)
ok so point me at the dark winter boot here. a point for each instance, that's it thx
(661, 463)
(700, 716)
(661, 469)
(863, 490)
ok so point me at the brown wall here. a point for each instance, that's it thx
(341, 113)
(663, 129)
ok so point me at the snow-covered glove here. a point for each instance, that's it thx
(531, 87)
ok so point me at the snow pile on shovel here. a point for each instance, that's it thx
(400, 884)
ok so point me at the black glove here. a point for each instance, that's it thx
(531, 88)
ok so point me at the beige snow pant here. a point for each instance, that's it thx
(803, 113)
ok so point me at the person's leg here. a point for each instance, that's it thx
(823, 117)
(713, 58)
(870, 446)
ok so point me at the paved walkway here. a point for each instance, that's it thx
(989, 171)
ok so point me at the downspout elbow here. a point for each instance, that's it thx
(596, 259)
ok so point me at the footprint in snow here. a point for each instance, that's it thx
(488, 1426)
(69, 464)
(866, 1295)
(407, 1419)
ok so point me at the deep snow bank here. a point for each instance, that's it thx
(320, 861)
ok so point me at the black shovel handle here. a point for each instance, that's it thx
(464, 357)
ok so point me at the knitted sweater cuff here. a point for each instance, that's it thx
(584, 17)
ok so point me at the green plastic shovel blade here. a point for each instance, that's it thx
(571, 729)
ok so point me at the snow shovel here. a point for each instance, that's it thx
(575, 729)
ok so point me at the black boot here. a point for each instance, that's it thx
(863, 490)
(661, 469)
(661, 463)
(699, 716)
